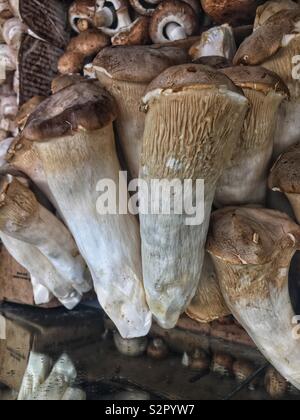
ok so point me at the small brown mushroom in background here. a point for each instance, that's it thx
(81, 14)
(84, 46)
(285, 177)
(113, 16)
(5, 11)
(145, 7)
(222, 364)
(173, 20)
(216, 42)
(136, 34)
(243, 370)
(252, 249)
(270, 8)
(157, 349)
(275, 384)
(234, 12)
(200, 362)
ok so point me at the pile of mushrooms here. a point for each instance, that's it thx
(166, 90)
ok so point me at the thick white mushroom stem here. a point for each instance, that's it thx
(194, 117)
(45, 279)
(77, 147)
(208, 303)
(23, 218)
(245, 181)
(127, 83)
(275, 46)
(252, 251)
(218, 41)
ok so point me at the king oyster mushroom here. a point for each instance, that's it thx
(74, 136)
(126, 81)
(252, 250)
(193, 121)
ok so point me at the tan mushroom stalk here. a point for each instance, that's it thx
(208, 303)
(173, 20)
(74, 135)
(285, 177)
(45, 279)
(216, 42)
(112, 16)
(194, 117)
(275, 45)
(127, 83)
(245, 181)
(81, 15)
(252, 251)
(23, 218)
(83, 47)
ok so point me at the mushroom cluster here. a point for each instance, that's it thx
(170, 91)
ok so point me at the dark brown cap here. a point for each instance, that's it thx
(187, 75)
(140, 64)
(234, 12)
(285, 174)
(267, 39)
(256, 78)
(136, 34)
(242, 236)
(83, 106)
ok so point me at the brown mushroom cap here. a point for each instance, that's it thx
(82, 106)
(234, 12)
(89, 42)
(170, 11)
(27, 109)
(139, 64)
(285, 174)
(267, 39)
(215, 61)
(256, 78)
(145, 7)
(276, 386)
(257, 234)
(188, 75)
(64, 80)
(136, 34)
(70, 62)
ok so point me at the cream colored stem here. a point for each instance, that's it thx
(109, 243)
(41, 271)
(175, 32)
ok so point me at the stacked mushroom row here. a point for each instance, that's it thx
(185, 111)
(11, 30)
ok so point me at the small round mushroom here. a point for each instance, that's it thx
(199, 362)
(81, 14)
(89, 43)
(173, 20)
(112, 16)
(145, 7)
(234, 12)
(136, 34)
(242, 370)
(222, 364)
(275, 384)
(133, 347)
(70, 63)
(5, 11)
(157, 349)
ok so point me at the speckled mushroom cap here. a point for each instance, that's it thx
(82, 106)
(234, 12)
(189, 75)
(285, 174)
(89, 42)
(139, 64)
(256, 78)
(267, 40)
(242, 236)
(172, 11)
